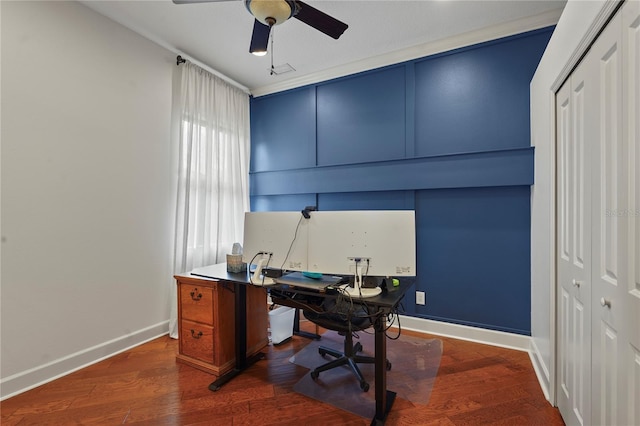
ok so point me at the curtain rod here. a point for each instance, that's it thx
(181, 60)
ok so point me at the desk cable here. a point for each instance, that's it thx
(295, 236)
(392, 317)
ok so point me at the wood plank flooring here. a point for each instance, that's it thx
(476, 384)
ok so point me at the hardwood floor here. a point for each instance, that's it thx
(476, 384)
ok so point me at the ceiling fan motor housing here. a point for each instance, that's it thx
(271, 12)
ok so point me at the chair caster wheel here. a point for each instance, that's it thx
(364, 386)
(314, 375)
(388, 365)
(357, 347)
(322, 352)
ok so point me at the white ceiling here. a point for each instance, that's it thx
(216, 35)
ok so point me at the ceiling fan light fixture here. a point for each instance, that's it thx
(271, 12)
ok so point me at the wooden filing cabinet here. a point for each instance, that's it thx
(206, 321)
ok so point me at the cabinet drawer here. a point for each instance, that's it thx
(196, 341)
(197, 303)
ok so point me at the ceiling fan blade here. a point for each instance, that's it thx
(196, 1)
(260, 37)
(320, 20)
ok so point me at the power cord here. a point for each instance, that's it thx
(295, 235)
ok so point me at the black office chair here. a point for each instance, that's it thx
(345, 318)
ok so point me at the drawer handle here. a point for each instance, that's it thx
(195, 296)
(196, 335)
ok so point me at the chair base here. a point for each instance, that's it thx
(349, 357)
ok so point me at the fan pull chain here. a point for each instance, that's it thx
(272, 68)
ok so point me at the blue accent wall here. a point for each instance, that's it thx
(445, 135)
(342, 138)
(473, 256)
(476, 98)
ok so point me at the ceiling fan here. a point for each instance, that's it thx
(274, 12)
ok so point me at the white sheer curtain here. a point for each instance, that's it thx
(211, 125)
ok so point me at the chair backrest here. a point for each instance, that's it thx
(340, 315)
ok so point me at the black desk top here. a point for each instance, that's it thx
(219, 272)
(388, 299)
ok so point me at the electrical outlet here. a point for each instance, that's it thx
(420, 298)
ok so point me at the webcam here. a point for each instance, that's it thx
(307, 210)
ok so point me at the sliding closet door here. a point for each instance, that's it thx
(630, 291)
(598, 225)
(615, 357)
(576, 130)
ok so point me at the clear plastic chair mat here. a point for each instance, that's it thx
(414, 361)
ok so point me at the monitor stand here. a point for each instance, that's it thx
(259, 279)
(359, 292)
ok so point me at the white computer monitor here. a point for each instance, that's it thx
(276, 240)
(378, 243)
(368, 243)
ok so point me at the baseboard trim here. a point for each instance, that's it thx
(541, 371)
(29, 379)
(34, 377)
(464, 332)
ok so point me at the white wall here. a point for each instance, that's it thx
(87, 198)
(576, 29)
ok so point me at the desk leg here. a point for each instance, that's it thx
(298, 332)
(242, 362)
(384, 397)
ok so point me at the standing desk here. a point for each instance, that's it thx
(384, 304)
